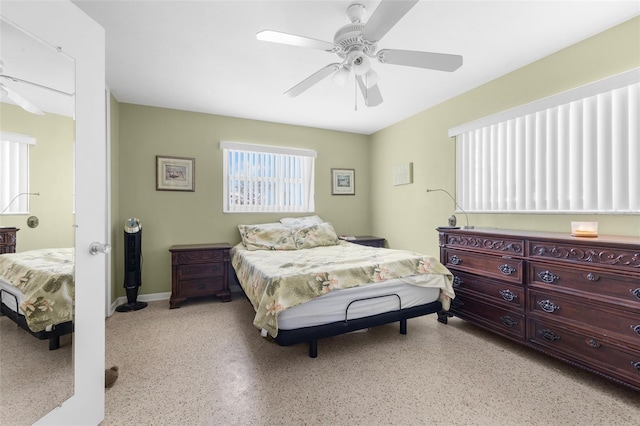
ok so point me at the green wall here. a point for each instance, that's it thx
(50, 174)
(407, 216)
(170, 217)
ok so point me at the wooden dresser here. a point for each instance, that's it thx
(199, 270)
(8, 239)
(577, 299)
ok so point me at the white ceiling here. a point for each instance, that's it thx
(203, 56)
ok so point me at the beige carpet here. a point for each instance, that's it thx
(205, 364)
(33, 379)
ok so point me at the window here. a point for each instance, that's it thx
(260, 178)
(14, 172)
(574, 152)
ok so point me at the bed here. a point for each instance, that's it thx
(37, 292)
(306, 284)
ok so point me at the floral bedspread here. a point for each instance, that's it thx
(277, 280)
(46, 279)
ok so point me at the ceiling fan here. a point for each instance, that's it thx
(14, 96)
(356, 42)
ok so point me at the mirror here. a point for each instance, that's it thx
(36, 76)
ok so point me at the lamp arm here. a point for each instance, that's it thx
(467, 226)
(16, 197)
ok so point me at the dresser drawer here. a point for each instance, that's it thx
(201, 256)
(200, 270)
(200, 287)
(601, 285)
(503, 268)
(500, 292)
(618, 361)
(498, 245)
(601, 319)
(495, 318)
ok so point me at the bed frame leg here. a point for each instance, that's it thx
(403, 326)
(313, 349)
(54, 343)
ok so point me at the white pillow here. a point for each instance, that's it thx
(302, 221)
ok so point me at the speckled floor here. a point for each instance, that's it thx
(205, 364)
(33, 379)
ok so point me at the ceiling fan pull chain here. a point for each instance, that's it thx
(355, 93)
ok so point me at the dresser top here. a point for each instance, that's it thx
(600, 239)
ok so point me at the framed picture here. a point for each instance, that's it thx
(343, 182)
(175, 173)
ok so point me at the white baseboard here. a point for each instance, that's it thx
(152, 297)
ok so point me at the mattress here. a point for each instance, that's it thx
(357, 302)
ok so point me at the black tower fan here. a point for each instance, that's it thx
(132, 265)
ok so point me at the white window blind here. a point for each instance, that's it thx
(14, 172)
(261, 178)
(578, 151)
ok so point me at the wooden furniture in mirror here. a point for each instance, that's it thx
(577, 299)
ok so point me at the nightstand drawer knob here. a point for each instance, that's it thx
(457, 281)
(201, 286)
(636, 328)
(592, 277)
(506, 269)
(548, 306)
(508, 295)
(636, 292)
(548, 277)
(455, 260)
(636, 365)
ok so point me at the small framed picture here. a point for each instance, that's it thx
(343, 182)
(175, 173)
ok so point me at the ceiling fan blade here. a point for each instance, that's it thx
(372, 95)
(312, 79)
(19, 100)
(386, 15)
(429, 60)
(294, 40)
(341, 76)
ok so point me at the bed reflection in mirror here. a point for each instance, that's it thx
(36, 151)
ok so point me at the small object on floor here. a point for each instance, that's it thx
(110, 376)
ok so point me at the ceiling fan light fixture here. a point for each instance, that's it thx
(341, 76)
(360, 64)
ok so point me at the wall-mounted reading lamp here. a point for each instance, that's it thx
(452, 218)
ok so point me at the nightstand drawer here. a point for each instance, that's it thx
(200, 287)
(201, 256)
(200, 270)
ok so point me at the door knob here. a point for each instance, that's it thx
(96, 248)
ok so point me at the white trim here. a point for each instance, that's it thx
(17, 138)
(268, 148)
(600, 86)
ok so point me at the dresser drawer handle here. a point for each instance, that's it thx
(548, 306)
(593, 343)
(636, 292)
(636, 328)
(508, 295)
(455, 260)
(548, 277)
(201, 286)
(549, 335)
(636, 365)
(592, 277)
(457, 281)
(508, 322)
(455, 303)
(507, 269)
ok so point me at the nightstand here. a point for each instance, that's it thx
(367, 240)
(199, 270)
(8, 239)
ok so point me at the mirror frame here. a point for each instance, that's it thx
(63, 24)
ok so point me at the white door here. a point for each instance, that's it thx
(62, 24)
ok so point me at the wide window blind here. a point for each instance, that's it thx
(575, 152)
(14, 172)
(261, 178)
